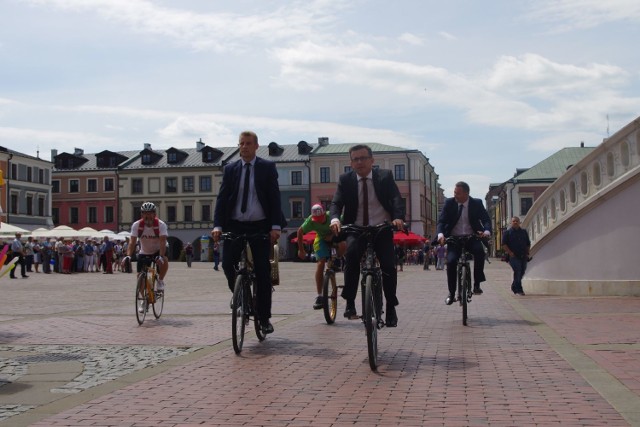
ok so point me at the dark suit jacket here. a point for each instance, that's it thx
(267, 189)
(478, 216)
(346, 197)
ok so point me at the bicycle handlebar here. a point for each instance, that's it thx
(228, 235)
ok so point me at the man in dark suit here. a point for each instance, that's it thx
(384, 204)
(462, 216)
(249, 202)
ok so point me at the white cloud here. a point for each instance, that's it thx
(411, 39)
(447, 36)
(568, 15)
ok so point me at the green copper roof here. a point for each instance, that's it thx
(555, 165)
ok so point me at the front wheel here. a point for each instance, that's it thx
(141, 298)
(238, 314)
(329, 296)
(370, 323)
(465, 292)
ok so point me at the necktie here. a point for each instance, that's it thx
(365, 202)
(460, 207)
(245, 192)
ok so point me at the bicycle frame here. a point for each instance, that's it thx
(463, 273)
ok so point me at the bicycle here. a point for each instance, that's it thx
(330, 288)
(146, 293)
(244, 302)
(371, 286)
(463, 273)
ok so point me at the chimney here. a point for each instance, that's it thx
(147, 146)
(199, 145)
(323, 141)
(78, 152)
(54, 153)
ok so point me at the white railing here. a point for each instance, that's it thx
(606, 169)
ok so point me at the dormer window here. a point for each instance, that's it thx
(147, 159)
(172, 157)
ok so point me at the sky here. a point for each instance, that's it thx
(479, 87)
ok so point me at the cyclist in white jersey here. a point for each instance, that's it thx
(153, 241)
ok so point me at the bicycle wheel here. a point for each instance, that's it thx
(238, 314)
(464, 292)
(256, 318)
(329, 296)
(158, 304)
(141, 298)
(370, 323)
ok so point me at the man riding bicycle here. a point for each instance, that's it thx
(319, 221)
(152, 232)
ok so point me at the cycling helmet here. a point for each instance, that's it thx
(148, 207)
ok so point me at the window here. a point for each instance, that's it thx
(14, 204)
(296, 209)
(136, 186)
(41, 176)
(171, 185)
(171, 214)
(108, 214)
(399, 172)
(205, 183)
(136, 213)
(29, 205)
(325, 174)
(146, 159)
(188, 184)
(525, 205)
(92, 215)
(188, 213)
(73, 215)
(206, 213)
(172, 157)
(55, 186)
(29, 174)
(296, 178)
(40, 206)
(74, 186)
(92, 185)
(55, 215)
(108, 184)
(347, 169)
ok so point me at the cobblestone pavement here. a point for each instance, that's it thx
(71, 353)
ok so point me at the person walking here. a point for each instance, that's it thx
(18, 252)
(516, 244)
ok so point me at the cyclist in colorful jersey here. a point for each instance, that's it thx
(152, 232)
(319, 221)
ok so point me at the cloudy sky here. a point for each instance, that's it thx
(480, 87)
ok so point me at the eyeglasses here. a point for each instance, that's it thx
(360, 159)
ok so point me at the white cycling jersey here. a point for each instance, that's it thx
(149, 242)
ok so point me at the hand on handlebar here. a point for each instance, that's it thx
(159, 260)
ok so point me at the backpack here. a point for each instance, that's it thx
(156, 227)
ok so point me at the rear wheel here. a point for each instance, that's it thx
(371, 323)
(238, 314)
(141, 298)
(330, 296)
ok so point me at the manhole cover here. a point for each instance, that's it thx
(49, 357)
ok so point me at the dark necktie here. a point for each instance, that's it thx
(460, 207)
(245, 192)
(365, 202)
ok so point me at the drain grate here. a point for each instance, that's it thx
(49, 357)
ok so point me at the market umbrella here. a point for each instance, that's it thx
(307, 238)
(8, 230)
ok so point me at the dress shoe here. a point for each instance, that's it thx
(451, 298)
(351, 313)
(392, 317)
(521, 293)
(477, 290)
(25, 276)
(267, 327)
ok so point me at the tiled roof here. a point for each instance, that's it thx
(555, 165)
(344, 148)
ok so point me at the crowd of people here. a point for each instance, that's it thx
(66, 255)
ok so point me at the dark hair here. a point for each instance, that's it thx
(463, 185)
(361, 147)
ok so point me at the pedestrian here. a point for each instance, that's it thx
(441, 255)
(426, 253)
(188, 253)
(28, 254)
(516, 244)
(216, 255)
(400, 254)
(18, 252)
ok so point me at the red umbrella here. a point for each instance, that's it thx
(412, 238)
(307, 239)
